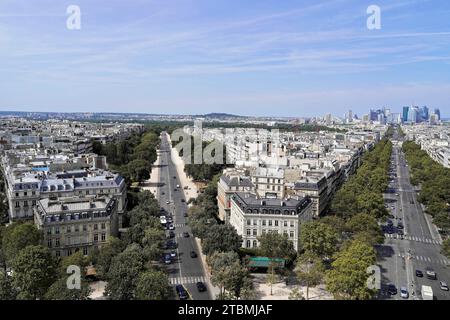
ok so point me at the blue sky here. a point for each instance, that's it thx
(250, 57)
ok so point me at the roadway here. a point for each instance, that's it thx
(419, 247)
(183, 269)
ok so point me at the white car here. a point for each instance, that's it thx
(171, 227)
(404, 293)
(443, 286)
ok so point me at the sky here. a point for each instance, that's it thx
(249, 57)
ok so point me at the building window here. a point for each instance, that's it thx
(270, 223)
(276, 223)
(291, 234)
(25, 194)
(69, 252)
(285, 223)
(255, 232)
(84, 227)
(17, 204)
(69, 229)
(247, 244)
(255, 243)
(249, 222)
(85, 251)
(264, 222)
(103, 226)
(255, 222)
(49, 243)
(57, 242)
(77, 228)
(57, 253)
(103, 236)
(56, 230)
(95, 226)
(95, 237)
(292, 224)
(17, 194)
(248, 232)
(49, 231)
(33, 203)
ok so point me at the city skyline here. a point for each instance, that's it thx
(293, 59)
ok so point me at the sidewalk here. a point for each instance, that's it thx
(151, 184)
(281, 291)
(191, 191)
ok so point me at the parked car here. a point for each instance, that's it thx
(167, 259)
(185, 214)
(186, 234)
(201, 286)
(400, 225)
(419, 274)
(171, 234)
(173, 253)
(171, 227)
(443, 286)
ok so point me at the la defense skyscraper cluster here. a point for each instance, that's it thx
(415, 114)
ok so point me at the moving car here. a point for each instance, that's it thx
(171, 227)
(431, 274)
(419, 274)
(173, 253)
(404, 293)
(193, 254)
(392, 290)
(171, 234)
(201, 286)
(186, 234)
(400, 225)
(167, 259)
(185, 214)
(181, 291)
(443, 286)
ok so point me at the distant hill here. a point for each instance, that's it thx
(221, 116)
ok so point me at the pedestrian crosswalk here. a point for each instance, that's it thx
(179, 225)
(413, 238)
(442, 261)
(186, 280)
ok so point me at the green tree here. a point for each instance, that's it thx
(6, 288)
(59, 291)
(153, 285)
(274, 246)
(124, 273)
(34, 272)
(107, 252)
(319, 238)
(310, 270)
(17, 236)
(222, 238)
(296, 294)
(366, 227)
(348, 277)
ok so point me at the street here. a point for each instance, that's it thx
(184, 269)
(418, 247)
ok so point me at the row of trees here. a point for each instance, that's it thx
(337, 249)
(131, 157)
(363, 192)
(131, 266)
(433, 180)
(203, 171)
